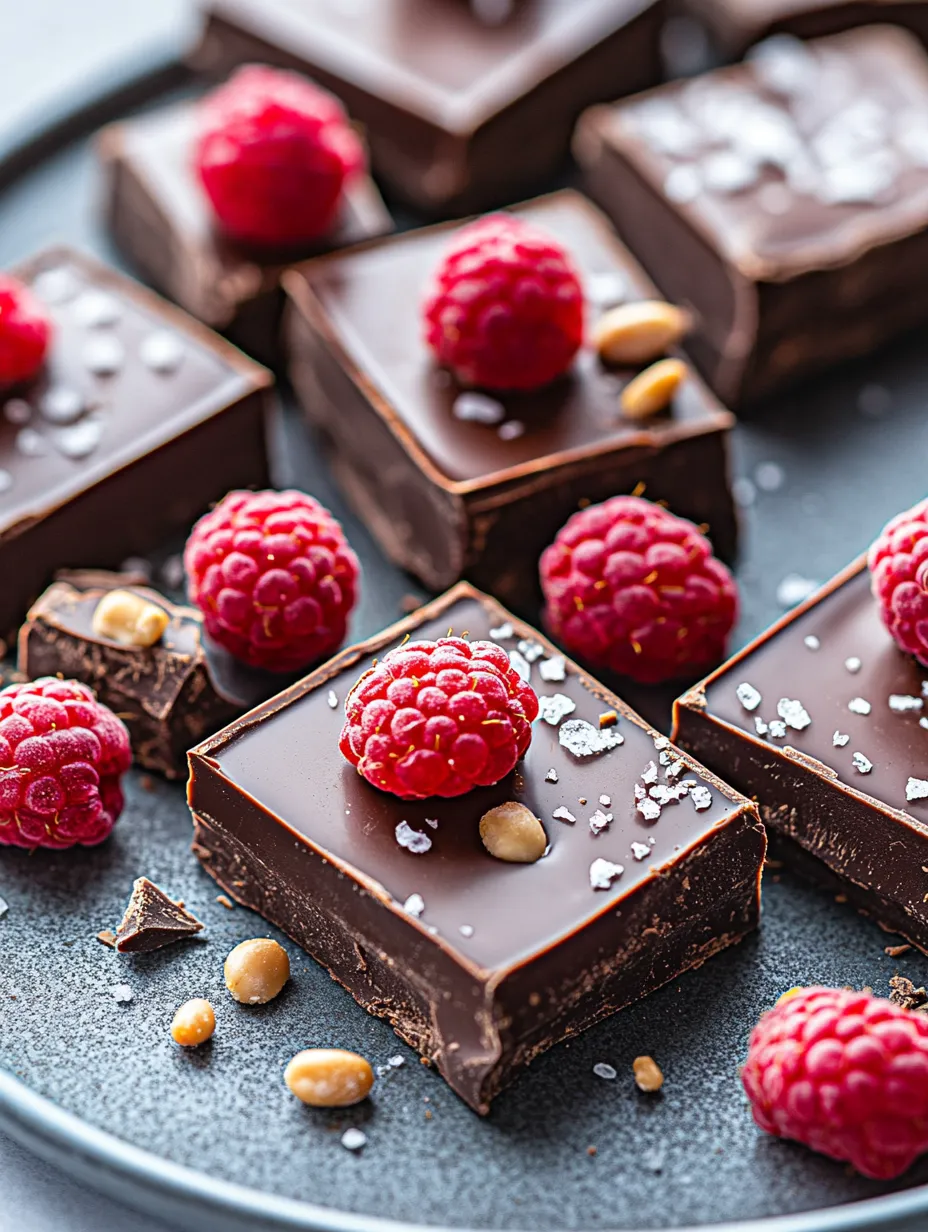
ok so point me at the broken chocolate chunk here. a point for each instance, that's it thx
(152, 920)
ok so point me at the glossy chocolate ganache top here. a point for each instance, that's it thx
(285, 756)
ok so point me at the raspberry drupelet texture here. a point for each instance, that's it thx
(845, 1073)
(438, 719)
(635, 589)
(274, 155)
(506, 311)
(62, 755)
(274, 577)
(899, 576)
(25, 332)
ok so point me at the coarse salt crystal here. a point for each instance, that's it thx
(862, 764)
(354, 1139)
(748, 696)
(414, 905)
(859, 705)
(640, 850)
(603, 873)
(793, 713)
(553, 670)
(916, 789)
(564, 814)
(853, 665)
(553, 709)
(416, 841)
(584, 740)
(602, 1069)
(332, 699)
(701, 797)
(599, 821)
(840, 739)
(902, 703)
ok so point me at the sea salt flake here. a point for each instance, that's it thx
(554, 670)
(744, 492)
(584, 740)
(640, 850)
(769, 476)
(840, 739)
(784, 64)
(551, 776)
(564, 814)
(354, 1139)
(605, 801)
(916, 789)
(555, 708)
(607, 289)
(80, 439)
(675, 768)
(794, 589)
(902, 703)
(431, 821)
(760, 726)
(811, 642)
(56, 285)
(522, 669)
(649, 773)
(603, 873)
(683, 183)
(531, 650)
(510, 430)
(332, 699)
(61, 405)
(701, 797)
(6, 480)
(748, 696)
(31, 443)
(649, 809)
(416, 841)
(661, 743)
(863, 764)
(162, 352)
(859, 705)
(923, 723)
(478, 408)
(599, 821)
(17, 411)
(640, 792)
(728, 172)
(776, 729)
(121, 993)
(466, 930)
(95, 309)
(502, 633)
(793, 713)
(414, 905)
(103, 355)
(853, 665)
(602, 1069)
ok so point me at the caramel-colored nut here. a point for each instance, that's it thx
(194, 1023)
(652, 390)
(648, 1076)
(329, 1077)
(256, 971)
(513, 833)
(127, 618)
(637, 333)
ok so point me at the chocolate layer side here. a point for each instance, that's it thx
(503, 960)
(847, 823)
(446, 496)
(170, 695)
(159, 216)
(461, 112)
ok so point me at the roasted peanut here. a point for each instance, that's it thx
(329, 1077)
(640, 332)
(127, 618)
(652, 390)
(513, 833)
(194, 1023)
(648, 1076)
(256, 971)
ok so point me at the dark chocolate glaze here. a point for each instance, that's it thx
(460, 112)
(779, 291)
(161, 219)
(447, 496)
(846, 827)
(170, 695)
(169, 443)
(288, 826)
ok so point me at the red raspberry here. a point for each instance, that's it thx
(25, 332)
(274, 577)
(633, 588)
(507, 308)
(274, 155)
(846, 1074)
(62, 754)
(438, 719)
(899, 576)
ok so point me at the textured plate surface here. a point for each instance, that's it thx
(834, 463)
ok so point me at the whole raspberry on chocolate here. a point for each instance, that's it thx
(898, 563)
(845, 1073)
(25, 332)
(62, 755)
(635, 589)
(274, 155)
(274, 577)
(506, 311)
(438, 719)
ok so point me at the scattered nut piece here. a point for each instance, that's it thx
(194, 1023)
(653, 389)
(225, 901)
(107, 938)
(329, 1077)
(896, 951)
(648, 1076)
(608, 718)
(639, 332)
(255, 971)
(513, 833)
(127, 618)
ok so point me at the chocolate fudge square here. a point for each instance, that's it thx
(784, 199)
(478, 964)
(447, 496)
(822, 721)
(170, 695)
(465, 105)
(159, 215)
(139, 420)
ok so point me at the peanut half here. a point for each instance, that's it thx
(637, 333)
(648, 1076)
(652, 390)
(329, 1077)
(256, 971)
(194, 1023)
(127, 618)
(513, 833)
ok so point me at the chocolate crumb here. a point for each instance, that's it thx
(225, 901)
(904, 993)
(840, 898)
(608, 718)
(153, 920)
(107, 938)
(410, 603)
(591, 1150)
(146, 782)
(896, 951)
(428, 1114)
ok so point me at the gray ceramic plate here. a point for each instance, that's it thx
(214, 1140)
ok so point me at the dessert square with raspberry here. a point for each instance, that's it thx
(784, 200)
(647, 865)
(822, 720)
(136, 420)
(465, 103)
(456, 482)
(160, 217)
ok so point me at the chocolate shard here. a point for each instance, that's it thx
(152, 920)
